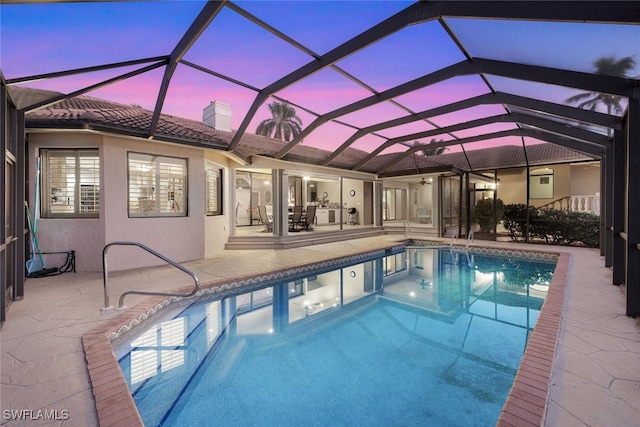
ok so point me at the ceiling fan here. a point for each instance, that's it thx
(422, 181)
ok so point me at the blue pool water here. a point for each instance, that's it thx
(422, 337)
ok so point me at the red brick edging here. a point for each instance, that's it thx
(526, 404)
(115, 406)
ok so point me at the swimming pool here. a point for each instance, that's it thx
(426, 336)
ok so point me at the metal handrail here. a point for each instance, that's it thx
(138, 291)
(454, 235)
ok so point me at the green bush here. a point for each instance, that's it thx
(483, 214)
(514, 220)
(554, 226)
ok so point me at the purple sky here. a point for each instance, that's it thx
(41, 38)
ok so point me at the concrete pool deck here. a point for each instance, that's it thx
(595, 373)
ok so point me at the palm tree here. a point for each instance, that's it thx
(609, 66)
(431, 151)
(284, 123)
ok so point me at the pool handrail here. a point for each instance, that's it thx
(454, 235)
(105, 277)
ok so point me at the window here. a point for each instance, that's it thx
(160, 349)
(213, 189)
(541, 184)
(157, 185)
(70, 183)
(394, 263)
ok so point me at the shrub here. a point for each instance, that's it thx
(514, 220)
(483, 214)
(554, 226)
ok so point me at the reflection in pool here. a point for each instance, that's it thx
(426, 336)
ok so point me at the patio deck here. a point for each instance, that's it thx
(596, 371)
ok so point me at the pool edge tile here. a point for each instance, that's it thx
(539, 356)
(114, 403)
(127, 414)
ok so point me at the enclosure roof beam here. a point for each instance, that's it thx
(621, 12)
(198, 26)
(416, 13)
(582, 146)
(578, 114)
(56, 99)
(608, 84)
(552, 126)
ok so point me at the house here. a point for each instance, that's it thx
(101, 181)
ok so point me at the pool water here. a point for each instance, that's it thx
(422, 337)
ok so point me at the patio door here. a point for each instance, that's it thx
(8, 254)
(243, 206)
(451, 212)
(485, 211)
(394, 202)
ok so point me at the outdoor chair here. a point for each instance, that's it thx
(309, 218)
(295, 221)
(423, 215)
(265, 219)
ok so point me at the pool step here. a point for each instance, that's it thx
(297, 240)
(415, 231)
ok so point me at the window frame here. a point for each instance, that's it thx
(209, 168)
(46, 199)
(159, 209)
(536, 189)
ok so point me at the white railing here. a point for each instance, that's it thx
(589, 204)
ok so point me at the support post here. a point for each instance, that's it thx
(618, 189)
(606, 205)
(632, 220)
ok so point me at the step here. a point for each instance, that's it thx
(299, 239)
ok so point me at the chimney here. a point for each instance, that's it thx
(218, 116)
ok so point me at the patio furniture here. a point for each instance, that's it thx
(295, 220)
(423, 215)
(265, 219)
(353, 216)
(309, 218)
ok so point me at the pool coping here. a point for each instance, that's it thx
(527, 401)
(525, 405)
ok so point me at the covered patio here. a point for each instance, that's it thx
(382, 89)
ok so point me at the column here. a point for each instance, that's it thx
(632, 220)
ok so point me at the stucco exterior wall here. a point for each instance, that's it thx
(585, 179)
(217, 228)
(568, 180)
(512, 188)
(181, 239)
(561, 184)
(87, 235)
(356, 201)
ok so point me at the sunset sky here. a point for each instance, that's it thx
(43, 38)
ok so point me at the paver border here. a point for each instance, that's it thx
(525, 405)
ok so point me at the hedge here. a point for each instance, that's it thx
(554, 226)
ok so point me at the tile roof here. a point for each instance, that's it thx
(98, 114)
(504, 157)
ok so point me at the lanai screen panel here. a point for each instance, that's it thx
(562, 45)
(250, 45)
